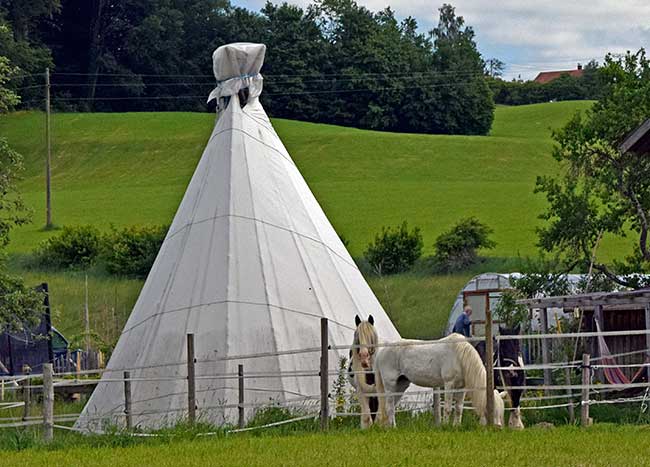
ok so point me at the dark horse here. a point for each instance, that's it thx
(507, 354)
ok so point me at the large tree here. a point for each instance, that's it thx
(17, 303)
(604, 191)
(462, 102)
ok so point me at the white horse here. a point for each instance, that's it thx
(360, 369)
(451, 362)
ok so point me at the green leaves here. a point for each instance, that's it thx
(457, 248)
(13, 211)
(602, 190)
(395, 250)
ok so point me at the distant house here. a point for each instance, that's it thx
(548, 76)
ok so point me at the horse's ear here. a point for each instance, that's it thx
(357, 320)
(371, 320)
(517, 328)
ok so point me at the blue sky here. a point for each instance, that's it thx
(531, 36)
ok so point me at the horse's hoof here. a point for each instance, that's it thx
(516, 426)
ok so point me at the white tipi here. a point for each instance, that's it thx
(250, 264)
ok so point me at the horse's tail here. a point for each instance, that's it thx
(474, 374)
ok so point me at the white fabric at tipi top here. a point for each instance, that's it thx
(250, 264)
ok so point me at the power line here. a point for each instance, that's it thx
(269, 81)
(284, 75)
(300, 93)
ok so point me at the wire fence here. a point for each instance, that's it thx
(338, 404)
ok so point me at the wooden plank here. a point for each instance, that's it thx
(647, 338)
(543, 314)
(437, 410)
(48, 402)
(584, 411)
(637, 139)
(586, 300)
(27, 393)
(240, 405)
(598, 318)
(127, 400)
(489, 368)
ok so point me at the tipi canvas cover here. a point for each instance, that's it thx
(249, 266)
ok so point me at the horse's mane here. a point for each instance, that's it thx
(474, 373)
(366, 335)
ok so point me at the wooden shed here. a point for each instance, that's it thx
(613, 311)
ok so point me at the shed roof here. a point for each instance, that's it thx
(640, 297)
(638, 140)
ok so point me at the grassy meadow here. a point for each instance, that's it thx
(567, 446)
(133, 168)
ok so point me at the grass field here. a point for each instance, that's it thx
(566, 446)
(127, 169)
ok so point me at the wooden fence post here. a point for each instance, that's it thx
(436, 407)
(586, 376)
(324, 377)
(191, 382)
(127, 400)
(48, 402)
(567, 378)
(548, 376)
(76, 396)
(27, 393)
(489, 368)
(240, 406)
(647, 338)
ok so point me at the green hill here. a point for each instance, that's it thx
(133, 169)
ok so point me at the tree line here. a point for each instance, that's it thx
(332, 62)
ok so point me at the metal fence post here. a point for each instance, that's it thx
(240, 406)
(127, 400)
(324, 370)
(48, 402)
(191, 382)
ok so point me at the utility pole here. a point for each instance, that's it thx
(48, 223)
(87, 318)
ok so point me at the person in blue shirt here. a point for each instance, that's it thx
(463, 323)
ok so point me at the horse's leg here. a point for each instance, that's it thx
(515, 421)
(366, 419)
(459, 399)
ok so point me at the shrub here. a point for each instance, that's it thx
(456, 249)
(132, 250)
(394, 251)
(74, 247)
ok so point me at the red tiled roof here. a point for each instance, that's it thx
(548, 76)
